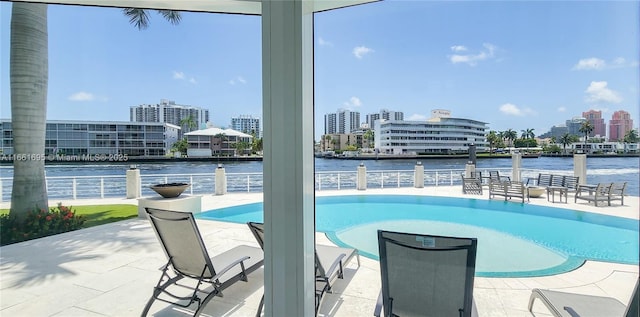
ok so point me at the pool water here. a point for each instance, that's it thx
(513, 239)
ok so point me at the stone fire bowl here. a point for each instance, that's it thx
(170, 190)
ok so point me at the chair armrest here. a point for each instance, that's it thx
(230, 266)
(378, 310)
(332, 268)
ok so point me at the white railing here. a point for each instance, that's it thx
(112, 186)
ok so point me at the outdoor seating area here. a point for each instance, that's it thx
(113, 269)
(187, 257)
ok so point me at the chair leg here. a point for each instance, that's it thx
(260, 306)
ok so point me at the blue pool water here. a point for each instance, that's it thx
(513, 239)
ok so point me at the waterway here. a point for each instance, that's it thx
(599, 169)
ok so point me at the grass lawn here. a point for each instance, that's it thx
(101, 214)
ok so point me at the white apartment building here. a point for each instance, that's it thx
(441, 134)
(247, 124)
(148, 139)
(167, 111)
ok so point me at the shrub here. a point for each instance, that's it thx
(39, 223)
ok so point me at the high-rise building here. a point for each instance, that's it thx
(384, 114)
(168, 111)
(619, 125)
(247, 124)
(330, 123)
(343, 121)
(573, 125)
(595, 117)
(348, 121)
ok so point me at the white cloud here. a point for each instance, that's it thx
(486, 53)
(178, 75)
(322, 42)
(353, 102)
(182, 76)
(595, 63)
(513, 110)
(238, 80)
(361, 51)
(82, 96)
(458, 48)
(417, 117)
(597, 92)
(562, 109)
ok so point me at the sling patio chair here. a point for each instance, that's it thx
(562, 304)
(425, 275)
(188, 258)
(329, 264)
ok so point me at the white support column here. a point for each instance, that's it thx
(418, 175)
(221, 180)
(361, 179)
(516, 165)
(134, 188)
(580, 167)
(287, 72)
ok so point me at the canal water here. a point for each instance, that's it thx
(599, 169)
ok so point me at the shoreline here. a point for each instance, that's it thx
(360, 157)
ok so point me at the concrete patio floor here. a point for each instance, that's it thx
(110, 270)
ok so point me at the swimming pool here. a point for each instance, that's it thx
(513, 239)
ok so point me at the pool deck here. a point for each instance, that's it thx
(110, 270)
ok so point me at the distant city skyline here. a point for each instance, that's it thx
(514, 64)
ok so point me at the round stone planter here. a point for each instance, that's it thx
(535, 192)
(170, 190)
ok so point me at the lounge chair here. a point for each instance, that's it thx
(593, 194)
(329, 263)
(616, 192)
(562, 304)
(425, 275)
(188, 258)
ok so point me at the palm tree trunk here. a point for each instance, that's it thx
(29, 73)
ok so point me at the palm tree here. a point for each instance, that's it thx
(586, 127)
(493, 140)
(369, 136)
(29, 75)
(528, 134)
(565, 140)
(510, 135)
(188, 123)
(630, 137)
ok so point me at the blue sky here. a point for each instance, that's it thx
(512, 64)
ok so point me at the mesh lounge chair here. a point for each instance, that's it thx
(329, 263)
(425, 275)
(188, 258)
(562, 304)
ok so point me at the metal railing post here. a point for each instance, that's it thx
(73, 188)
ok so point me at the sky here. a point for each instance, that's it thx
(512, 64)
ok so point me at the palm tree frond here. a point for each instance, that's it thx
(137, 17)
(173, 17)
